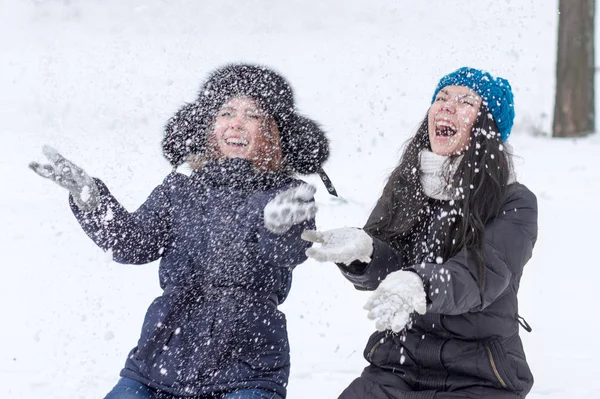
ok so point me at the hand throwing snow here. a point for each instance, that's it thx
(399, 294)
(68, 175)
(290, 207)
(343, 245)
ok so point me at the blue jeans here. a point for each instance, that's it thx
(127, 388)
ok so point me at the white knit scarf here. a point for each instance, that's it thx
(437, 172)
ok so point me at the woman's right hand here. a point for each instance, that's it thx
(68, 175)
(344, 245)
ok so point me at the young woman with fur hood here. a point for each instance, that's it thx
(228, 238)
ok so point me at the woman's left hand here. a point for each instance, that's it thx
(290, 207)
(391, 304)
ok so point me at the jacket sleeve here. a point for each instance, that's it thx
(453, 287)
(367, 276)
(287, 249)
(134, 238)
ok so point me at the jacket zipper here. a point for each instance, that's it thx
(493, 363)
(375, 347)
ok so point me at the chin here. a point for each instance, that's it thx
(234, 154)
(440, 151)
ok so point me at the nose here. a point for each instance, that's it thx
(236, 122)
(449, 106)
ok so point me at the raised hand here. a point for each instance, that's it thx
(290, 207)
(344, 245)
(68, 175)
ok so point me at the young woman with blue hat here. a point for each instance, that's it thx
(444, 250)
(227, 236)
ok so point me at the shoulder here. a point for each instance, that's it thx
(290, 183)
(285, 184)
(293, 182)
(265, 195)
(174, 184)
(519, 196)
(520, 210)
(176, 178)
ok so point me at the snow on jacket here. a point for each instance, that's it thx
(468, 343)
(216, 327)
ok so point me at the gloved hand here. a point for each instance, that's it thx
(391, 304)
(68, 175)
(290, 207)
(344, 245)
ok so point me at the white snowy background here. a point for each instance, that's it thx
(97, 79)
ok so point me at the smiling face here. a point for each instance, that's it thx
(243, 130)
(451, 118)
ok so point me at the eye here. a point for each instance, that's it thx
(440, 98)
(253, 116)
(225, 113)
(468, 102)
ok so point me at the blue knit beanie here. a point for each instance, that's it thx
(495, 92)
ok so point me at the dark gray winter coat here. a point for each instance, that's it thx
(467, 345)
(216, 327)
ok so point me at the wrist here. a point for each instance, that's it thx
(87, 197)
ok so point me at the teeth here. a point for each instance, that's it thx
(445, 124)
(444, 128)
(236, 141)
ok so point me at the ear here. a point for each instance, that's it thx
(304, 144)
(184, 134)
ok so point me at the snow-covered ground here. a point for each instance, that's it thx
(98, 79)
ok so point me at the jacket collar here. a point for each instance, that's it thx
(239, 174)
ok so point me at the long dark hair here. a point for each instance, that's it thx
(481, 179)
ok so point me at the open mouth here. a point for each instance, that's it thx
(236, 142)
(444, 129)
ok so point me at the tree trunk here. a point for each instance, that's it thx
(575, 69)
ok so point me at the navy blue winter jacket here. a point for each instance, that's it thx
(216, 327)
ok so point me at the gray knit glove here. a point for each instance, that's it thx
(290, 207)
(68, 175)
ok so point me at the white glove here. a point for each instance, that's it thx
(343, 245)
(68, 175)
(391, 304)
(290, 207)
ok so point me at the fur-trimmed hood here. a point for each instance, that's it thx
(304, 144)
